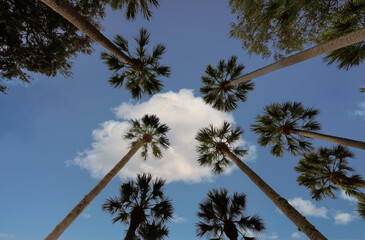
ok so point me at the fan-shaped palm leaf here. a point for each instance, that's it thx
(134, 7)
(221, 213)
(141, 77)
(327, 170)
(153, 231)
(141, 203)
(216, 88)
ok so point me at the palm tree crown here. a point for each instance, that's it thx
(141, 203)
(274, 126)
(142, 76)
(212, 140)
(133, 7)
(151, 131)
(153, 231)
(218, 92)
(326, 170)
(223, 214)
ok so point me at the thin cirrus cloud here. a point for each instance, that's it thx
(183, 113)
(361, 110)
(307, 208)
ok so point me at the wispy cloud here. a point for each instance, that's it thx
(177, 219)
(6, 236)
(297, 235)
(183, 113)
(85, 215)
(361, 110)
(343, 218)
(307, 208)
(347, 197)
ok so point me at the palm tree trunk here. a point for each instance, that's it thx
(77, 210)
(346, 40)
(300, 221)
(329, 138)
(67, 11)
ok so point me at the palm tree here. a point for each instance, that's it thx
(144, 132)
(326, 170)
(142, 75)
(222, 214)
(214, 148)
(153, 231)
(132, 8)
(361, 205)
(216, 90)
(140, 202)
(280, 121)
(146, 66)
(338, 43)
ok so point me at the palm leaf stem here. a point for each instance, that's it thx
(343, 41)
(300, 221)
(329, 138)
(77, 210)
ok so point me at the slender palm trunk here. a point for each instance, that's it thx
(137, 217)
(346, 40)
(300, 221)
(329, 138)
(77, 210)
(67, 11)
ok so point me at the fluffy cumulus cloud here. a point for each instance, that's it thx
(183, 113)
(343, 218)
(307, 208)
(361, 110)
(347, 197)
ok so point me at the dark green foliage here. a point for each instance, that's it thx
(134, 7)
(273, 127)
(348, 19)
(327, 170)
(147, 196)
(361, 205)
(142, 76)
(209, 139)
(223, 214)
(150, 125)
(36, 39)
(281, 26)
(216, 89)
(153, 231)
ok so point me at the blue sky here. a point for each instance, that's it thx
(59, 136)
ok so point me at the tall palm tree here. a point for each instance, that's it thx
(326, 170)
(223, 214)
(146, 66)
(141, 203)
(142, 75)
(214, 148)
(133, 7)
(337, 43)
(216, 90)
(153, 231)
(144, 132)
(280, 121)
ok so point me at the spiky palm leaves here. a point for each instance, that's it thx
(217, 90)
(151, 131)
(275, 125)
(142, 77)
(134, 7)
(140, 203)
(153, 231)
(211, 142)
(223, 214)
(350, 18)
(327, 170)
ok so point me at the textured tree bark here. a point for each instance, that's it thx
(67, 11)
(329, 138)
(300, 221)
(77, 210)
(343, 41)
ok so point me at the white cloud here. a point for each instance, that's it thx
(273, 235)
(307, 208)
(5, 236)
(177, 219)
(361, 110)
(86, 215)
(343, 218)
(347, 197)
(183, 113)
(296, 235)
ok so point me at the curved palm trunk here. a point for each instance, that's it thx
(329, 138)
(67, 11)
(77, 210)
(346, 40)
(300, 221)
(137, 217)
